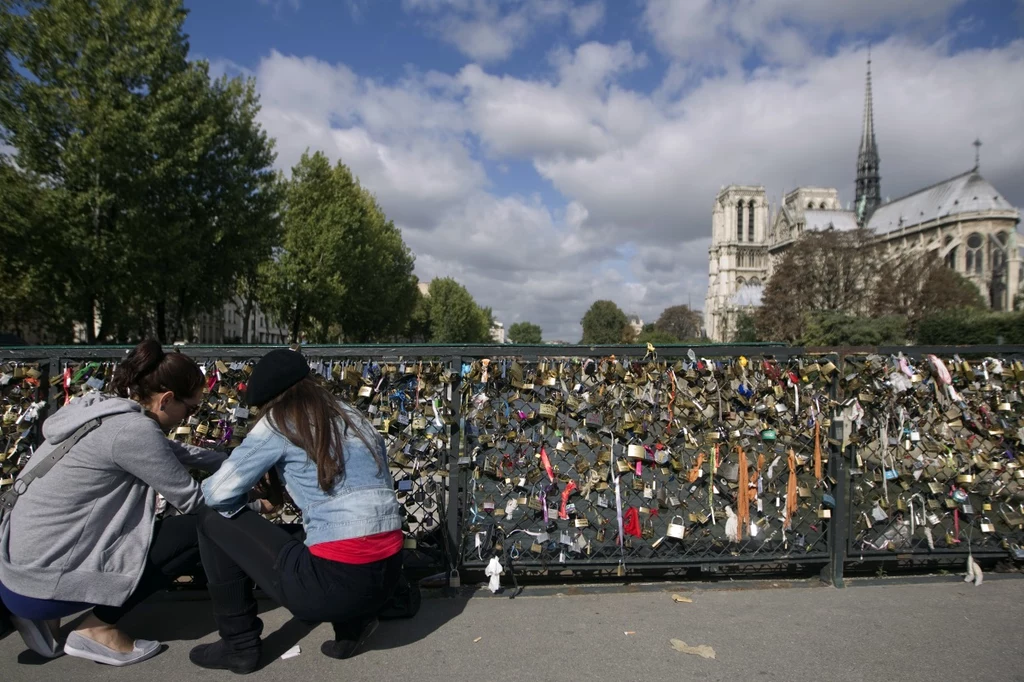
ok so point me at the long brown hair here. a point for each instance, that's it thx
(313, 419)
(148, 370)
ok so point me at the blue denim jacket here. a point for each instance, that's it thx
(361, 503)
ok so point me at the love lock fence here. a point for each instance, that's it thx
(935, 444)
(667, 458)
(615, 460)
(407, 396)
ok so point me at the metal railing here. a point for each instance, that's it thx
(535, 453)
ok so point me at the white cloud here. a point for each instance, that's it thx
(277, 5)
(585, 18)
(401, 140)
(722, 32)
(491, 30)
(638, 171)
(574, 115)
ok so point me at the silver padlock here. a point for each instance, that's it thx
(453, 578)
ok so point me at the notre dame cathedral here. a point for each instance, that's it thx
(964, 219)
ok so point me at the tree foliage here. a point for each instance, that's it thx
(605, 323)
(840, 288)
(828, 270)
(153, 172)
(343, 272)
(839, 329)
(417, 329)
(454, 315)
(916, 285)
(525, 332)
(746, 329)
(960, 326)
(680, 322)
(651, 334)
(31, 260)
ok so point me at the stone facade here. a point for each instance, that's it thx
(738, 257)
(964, 220)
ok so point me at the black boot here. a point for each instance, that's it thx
(348, 638)
(239, 647)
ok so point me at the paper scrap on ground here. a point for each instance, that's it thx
(702, 650)
(680, 599)
(291, 653)
(477, 640)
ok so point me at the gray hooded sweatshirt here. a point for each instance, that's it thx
(82, 532)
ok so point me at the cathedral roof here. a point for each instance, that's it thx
(965, 193)
(815, 219)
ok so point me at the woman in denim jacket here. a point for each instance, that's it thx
(334, 466)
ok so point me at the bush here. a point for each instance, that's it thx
(966, 327)
(837, 329)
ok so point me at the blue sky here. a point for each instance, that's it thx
(547, 153)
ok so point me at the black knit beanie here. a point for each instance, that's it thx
(276, 372)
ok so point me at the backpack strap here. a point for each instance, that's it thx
(9, 498)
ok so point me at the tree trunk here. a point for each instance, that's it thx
(161, 320)
(90, 323)
(179, 328)
(296, 322)
(247, 305)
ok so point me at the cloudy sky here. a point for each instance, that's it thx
(549, 153)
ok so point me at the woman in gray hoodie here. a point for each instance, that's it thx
(86, 535)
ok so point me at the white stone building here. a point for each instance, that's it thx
(226, 325)
(738, 258)
(964, 220)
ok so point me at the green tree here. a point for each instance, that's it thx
(680, 321)
(605, 323)
(746, 329)
(31, 260)
(838, 329)
(303, 287)
(916, 285)
(525, 332)
(418, 327)
(344, 272)
(152, 170)
(651, 334)
(824, 271)
(454, 315)
(962, 326)
(220, 205)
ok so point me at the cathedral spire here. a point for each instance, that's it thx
(868, 180)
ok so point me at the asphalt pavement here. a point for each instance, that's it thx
(904, 629)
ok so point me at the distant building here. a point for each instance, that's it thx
(498, 332)
(226, 326)
(636, 324)
(964, 220)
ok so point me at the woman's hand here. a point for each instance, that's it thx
(268, 507)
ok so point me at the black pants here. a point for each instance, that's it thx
(312, 589)
(174, 552)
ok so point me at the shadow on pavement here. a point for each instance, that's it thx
(433, 614)
(284, 638)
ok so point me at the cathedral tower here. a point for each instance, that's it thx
(738, 257)
(869, 193)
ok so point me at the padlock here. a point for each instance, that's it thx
(986, 525)
(676, 530)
